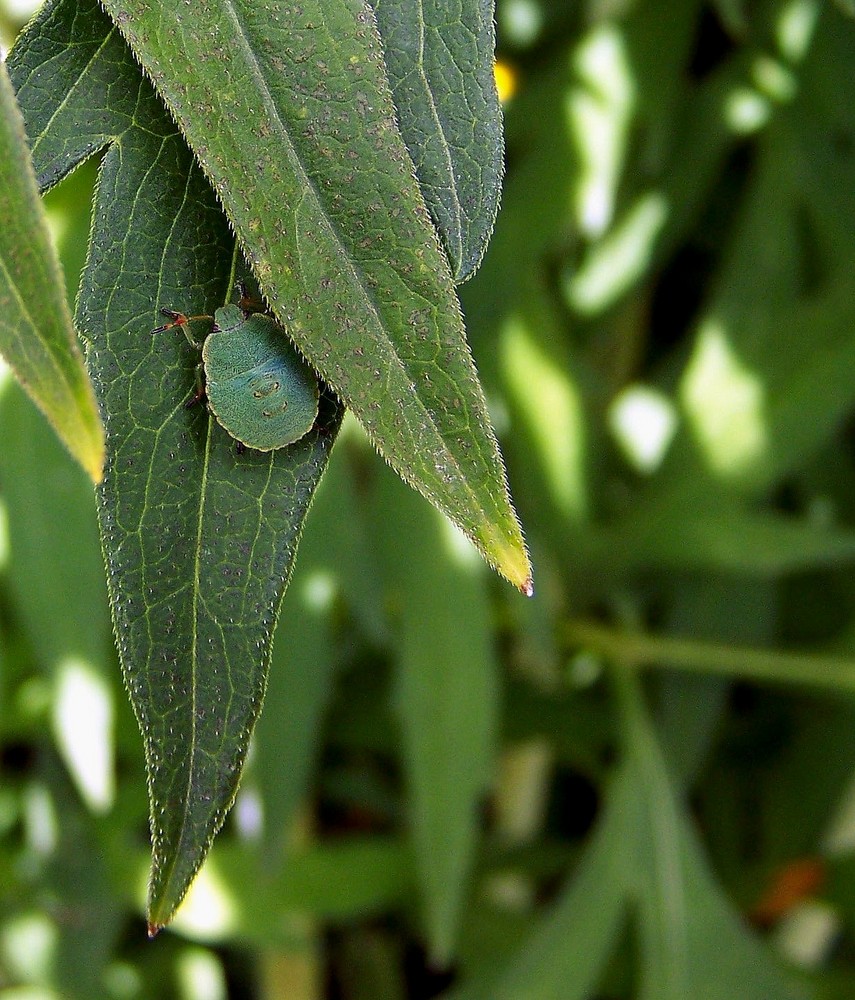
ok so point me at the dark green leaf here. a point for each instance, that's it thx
(199, 539)
(693, 944)
(290, 115)
(564, 958)
(57, 582)
(764, 545)
(336, 881)
(733, 16)
(289, 732)
(57, 573)
(440, 64)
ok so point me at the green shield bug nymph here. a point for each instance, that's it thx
(257, 386)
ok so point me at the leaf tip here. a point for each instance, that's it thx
(154, 930)
(510, 558)
(93, 461)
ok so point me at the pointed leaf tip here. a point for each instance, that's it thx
(508, 555)
(153, 930)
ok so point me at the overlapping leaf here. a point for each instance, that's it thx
(198, 539)
(289, 112)
(439, 57)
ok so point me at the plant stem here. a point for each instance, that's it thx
(638, 649)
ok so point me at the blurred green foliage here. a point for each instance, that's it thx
(663, 740)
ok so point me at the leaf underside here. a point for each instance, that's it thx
(198, 539)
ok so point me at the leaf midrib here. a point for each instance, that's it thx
(195, 591)
(446, 149)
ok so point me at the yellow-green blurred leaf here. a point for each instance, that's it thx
(36, 335)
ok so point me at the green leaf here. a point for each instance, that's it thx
(564, 958)
(768, 381)
(692, 942)
(447, 698)
(57, 579)
(687, 536)
(78, 873)
(341, 881)
(733, 16)
(36, 335)
(199, 539)
(4, 666)
(288, 737)
(440, 65)
(643, 856)
(291, 117)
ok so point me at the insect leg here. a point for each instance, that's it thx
(200, 394)
(246, 302)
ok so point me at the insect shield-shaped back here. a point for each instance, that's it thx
(258, 387)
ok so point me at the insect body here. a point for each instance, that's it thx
(258, 387)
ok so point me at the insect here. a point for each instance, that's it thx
(257, 386)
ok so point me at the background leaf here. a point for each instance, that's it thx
(36, 335)
(54, 555)
(302, 674)
(587, 917)
(692, 944)
(446, 695)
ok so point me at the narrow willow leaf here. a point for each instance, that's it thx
(733, 16)
(564, 958)
(693, 944)
(439, 57)
(725, 537)
(643, 859)
(289, 112)
(57, 577)
(724, 958)
(78, 873)
(199, 539)
(36, 335)
(447, 699)
(3, 674)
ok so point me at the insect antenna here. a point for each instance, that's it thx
(182, 320)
